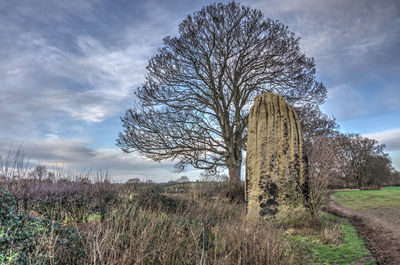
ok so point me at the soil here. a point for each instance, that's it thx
(381, 234)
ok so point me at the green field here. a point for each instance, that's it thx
(369, 199)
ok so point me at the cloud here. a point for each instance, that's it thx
(356, 45)
(74, 155)
(396, 159)
(340, 95)
(335, 28)
(85, 78)
(49, 80)
(391, 138)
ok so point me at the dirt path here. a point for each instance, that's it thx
(382, 238)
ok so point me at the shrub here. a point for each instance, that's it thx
(72, 200)
(28, 240)
(149, 197)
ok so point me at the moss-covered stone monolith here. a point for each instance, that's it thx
(275, 166)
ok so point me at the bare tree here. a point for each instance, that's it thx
(193, 106)
(133, 181)
(394, 179)
(39, 172)
(377, 171)
(356, 153)
(315, 124)
(183, 179)
(323, 168)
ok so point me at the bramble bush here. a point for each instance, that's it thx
(28, 240)
(64, 200)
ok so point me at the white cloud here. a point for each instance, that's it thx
(75, 155)
(44, 81)
(354, 43)
(351, 102)
(331, 28)
(396, 159)
(391, 138)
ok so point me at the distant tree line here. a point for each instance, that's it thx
(357, 162)
(344, 160)
(337, 160)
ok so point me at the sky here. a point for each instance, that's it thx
(69, 69)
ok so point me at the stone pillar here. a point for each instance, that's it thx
(275, 168)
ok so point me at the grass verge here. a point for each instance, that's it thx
(349, 249)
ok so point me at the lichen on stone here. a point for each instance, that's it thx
(275, 166)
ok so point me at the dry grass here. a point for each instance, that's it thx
(77, 221)
(144, 226)
(206, 233)
(331, 234)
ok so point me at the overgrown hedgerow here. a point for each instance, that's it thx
(139, 226)
(28, 240)
(66, 200)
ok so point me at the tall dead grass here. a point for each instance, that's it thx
(206, 233)
(141, 225)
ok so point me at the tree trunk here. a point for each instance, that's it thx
(235, 170)
(234, 162)
(234, 175)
